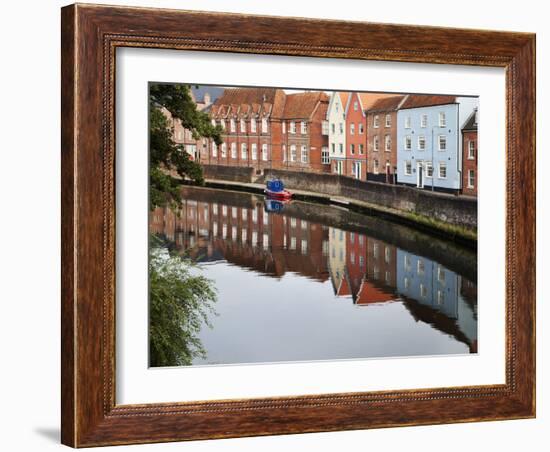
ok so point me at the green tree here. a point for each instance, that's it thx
(179, 305)
(164, 153)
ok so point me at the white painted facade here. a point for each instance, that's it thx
(337, 130)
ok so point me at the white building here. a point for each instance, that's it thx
(336, 119)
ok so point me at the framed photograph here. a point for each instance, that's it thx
(281, 225)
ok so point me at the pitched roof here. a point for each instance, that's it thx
(471, 122)
(344, 96)
(302, 105)
(369, 99)
(427, 100)
(244, 101)
(369, 293)
(386, 103)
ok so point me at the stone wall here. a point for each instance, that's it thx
(452, 209)
(229, 173)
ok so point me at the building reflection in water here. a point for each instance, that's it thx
(363, 270)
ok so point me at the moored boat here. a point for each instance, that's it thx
(275, 190)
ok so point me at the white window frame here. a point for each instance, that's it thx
(292, 127)
(292, 152)
(284, 127)
(352, 128)
(376, 121)
(254, 151)
(304, 158)
(407, 122)
(244, 151)
(352, 148)
(243, 125)
(233, 125)
(429, 168)
(423, 120)
(361, 128)
(355, 105)
(376, 143)
(265, 128)
(341, 147)
(440, 166)
(375, 166)
(442, 120)
(471, 150)
(407, 168)
(264, 152)
(408, 143)
(303, 127)
(421, 138)
(234, 150)
(471, 178)
(224, 150)
(214, 150)
(361, 149)
(439, 142)
(388, 120)
(253, 127)
(387, 143)
(222, 123)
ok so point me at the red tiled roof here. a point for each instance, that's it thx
(386, 104)
(368, 293)
(239, 96)
(344, 96)
(344, 290)
(302, 105)
(427, 100)
(368, 99)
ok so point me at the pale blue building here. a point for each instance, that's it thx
(429, 141)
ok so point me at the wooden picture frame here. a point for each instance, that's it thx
(90, 36)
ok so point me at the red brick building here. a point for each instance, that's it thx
(252, 121)
(356, 132)
(382, 139)
(305, 147)
(469, 156)
(266, 128)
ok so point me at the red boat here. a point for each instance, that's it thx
(283, 195)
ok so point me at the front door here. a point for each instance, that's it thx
(420, 176)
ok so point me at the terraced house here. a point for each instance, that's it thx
(336, 120)
(382, 139)
(429, 141)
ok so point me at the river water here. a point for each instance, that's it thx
(302, 281)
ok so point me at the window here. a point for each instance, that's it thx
(387, 143)
(376, 121)
(333, 128)
(408, 168)
(421, 143)
(264, 125)
(341, 128)
(361, 149)
(244, 214)
(388, 120)
(471, 178)
(408, 143)
(284, 152)
(423, 291)
(352, 129)
(440, 274)
(292, 127)
(325, 128)
(222, 123)
(293, 153)
(420, 267)
(233, 150)
(387, 254)
(303, 127)
(233, 125)
(376, 143)
(375, 166)
(424, 121)
(214, 150)
(224, 150)
(284, 126)
(253, 125)
(333, 148)
(361, 129)
(442, 120)
(407, 262)
(244, 151)
(442, 143)
(471, 150)
(429, 169)
(243, 126)
(355, 106)
(442, 170)
(352, 148)
(440, 297)
(254, 151)
(341, 148)
(264, 152)
(408, 122)
(304, 154)
(325, 160)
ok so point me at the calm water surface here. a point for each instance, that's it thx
(312, 282)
